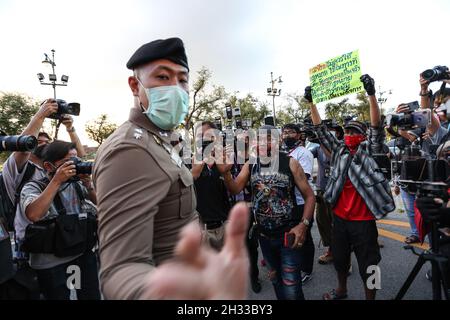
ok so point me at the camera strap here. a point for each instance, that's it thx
(43, 183)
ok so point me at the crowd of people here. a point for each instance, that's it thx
(149, 224)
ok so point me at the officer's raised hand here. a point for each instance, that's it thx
(369, 84)
(201, 273)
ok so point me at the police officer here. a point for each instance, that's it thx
(146, 195)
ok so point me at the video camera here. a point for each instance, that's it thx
(17, 143)
(411, 118)
(438, 73)
(72, 108)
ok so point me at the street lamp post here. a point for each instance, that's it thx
(274, 92)
(53, 82)
(382, 100)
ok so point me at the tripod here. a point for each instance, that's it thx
(439, 270)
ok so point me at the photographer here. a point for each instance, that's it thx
(67, 121)
(20, 167)
(408, 198)
(213, 203)
(357, 191)
(437, 209)
(15, 173)
(59, 195)
(435, 132)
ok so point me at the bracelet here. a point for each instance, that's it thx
(71, 129)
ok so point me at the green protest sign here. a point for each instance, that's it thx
(336, 77)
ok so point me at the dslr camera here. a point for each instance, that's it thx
(72, 108)
(411, 118)
(17, 143)
(82, 167)
(438, 73)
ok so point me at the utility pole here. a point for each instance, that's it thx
(274, 92)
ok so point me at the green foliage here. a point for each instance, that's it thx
(205, 103)
(100, 129)
(16, 111)
(343, 108)
(294, 112)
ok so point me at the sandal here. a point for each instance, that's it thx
(326, 258)
(412, 239)
(332, 295)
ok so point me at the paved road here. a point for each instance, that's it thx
(395, 266)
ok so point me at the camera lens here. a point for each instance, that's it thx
(18, 143)
(84, 167)
(429, 74)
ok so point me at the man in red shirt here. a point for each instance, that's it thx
(357, 191)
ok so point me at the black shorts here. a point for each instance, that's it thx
(358, 236)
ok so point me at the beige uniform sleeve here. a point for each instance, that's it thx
(129, 185)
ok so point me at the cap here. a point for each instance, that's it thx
(357, 125)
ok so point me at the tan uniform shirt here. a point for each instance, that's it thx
(144, 199)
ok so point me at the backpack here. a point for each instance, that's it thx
(7, 207)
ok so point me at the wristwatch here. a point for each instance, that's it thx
(429, 93)
(71, 129)
(306, 222)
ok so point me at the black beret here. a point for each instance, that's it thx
(171, 49)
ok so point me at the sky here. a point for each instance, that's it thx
(240, 41)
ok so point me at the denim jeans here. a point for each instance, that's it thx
(53, 281)
(286, 263)
(408, 202)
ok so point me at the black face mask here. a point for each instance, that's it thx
(290, 142)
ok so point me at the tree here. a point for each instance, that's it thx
(362, 108)
(338, 111)
(299, 107)
(100, 129)
(16, 111)
(295, 111)
(205, 103)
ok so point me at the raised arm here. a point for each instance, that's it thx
(235, 186)
(47, 108)
(315, 116)
(68, 123)
(425, 103)
(327, 141)
(375, 114)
